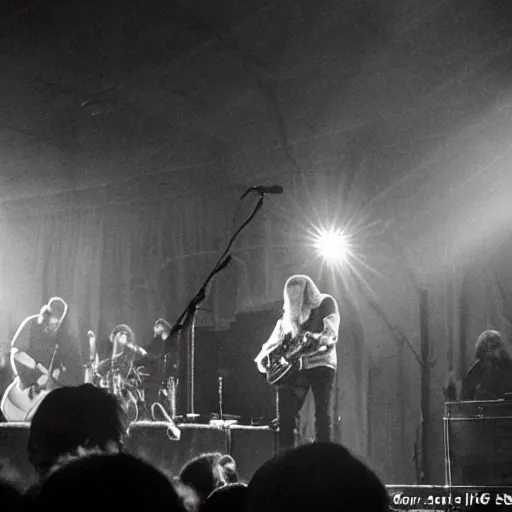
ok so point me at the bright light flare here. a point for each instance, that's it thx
(332, 246)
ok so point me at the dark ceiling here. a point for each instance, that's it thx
(398, 97)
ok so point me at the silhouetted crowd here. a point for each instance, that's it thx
(76, 446)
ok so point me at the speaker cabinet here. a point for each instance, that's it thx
(478, 443)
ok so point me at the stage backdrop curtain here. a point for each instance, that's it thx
(134, 261)
(122, 263)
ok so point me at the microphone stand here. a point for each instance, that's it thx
(188, 317)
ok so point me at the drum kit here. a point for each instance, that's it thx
(125, 382)
(119, 374)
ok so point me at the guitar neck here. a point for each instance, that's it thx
(52, 361)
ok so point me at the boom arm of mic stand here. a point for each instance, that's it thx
(187, 315)
(222, 263)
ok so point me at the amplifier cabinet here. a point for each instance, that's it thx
(478, 443)
(479, 409)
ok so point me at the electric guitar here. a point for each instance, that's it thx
(286, 359)
(20, 403)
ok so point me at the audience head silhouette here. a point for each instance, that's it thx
(228, 498)
(316, 476)
(106, 482)
(11, 499)
(229, 470)
(204, 474)
(73, 420)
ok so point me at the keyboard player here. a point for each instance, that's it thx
(490, 376)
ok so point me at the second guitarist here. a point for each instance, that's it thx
(33, 356)
(306, 310)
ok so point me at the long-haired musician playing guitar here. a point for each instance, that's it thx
(310, 320)
(35, 361)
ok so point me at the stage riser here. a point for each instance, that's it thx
(154, 445)
(250, 447)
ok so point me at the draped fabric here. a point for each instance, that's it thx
(113, 265)
(135, 262)
(132, 263)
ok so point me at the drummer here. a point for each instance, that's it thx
(123, 344)
(123, 352)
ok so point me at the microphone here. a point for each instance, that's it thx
(92, 346)
(262, 189)
(92, 340)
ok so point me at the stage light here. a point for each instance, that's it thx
(332, 245)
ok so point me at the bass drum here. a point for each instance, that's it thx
(129, 404)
